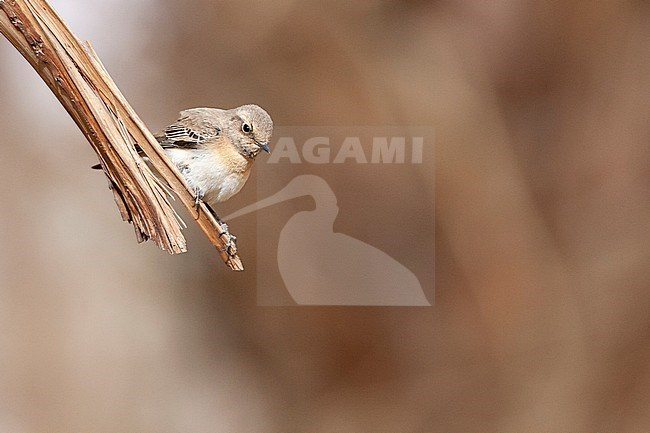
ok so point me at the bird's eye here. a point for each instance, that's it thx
(246, 128)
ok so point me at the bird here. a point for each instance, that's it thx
(214, 149)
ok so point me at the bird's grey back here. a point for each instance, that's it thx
(197, 125)
(193, 127)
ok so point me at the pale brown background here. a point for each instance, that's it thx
(542, 218)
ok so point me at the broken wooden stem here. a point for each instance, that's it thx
(83, 86)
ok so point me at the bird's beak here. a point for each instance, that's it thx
(264, 146)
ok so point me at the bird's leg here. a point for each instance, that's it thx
(213, 213)
(230, 239)
(198, 197)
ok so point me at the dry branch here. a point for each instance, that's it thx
(80, 82)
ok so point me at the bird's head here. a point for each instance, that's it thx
(251, 128)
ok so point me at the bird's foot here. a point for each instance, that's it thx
(230, 242)
(198, 197)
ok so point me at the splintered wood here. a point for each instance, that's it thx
(78, 79)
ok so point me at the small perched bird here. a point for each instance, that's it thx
(214, 149)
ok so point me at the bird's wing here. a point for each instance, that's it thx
(176, 135)
(189, 131)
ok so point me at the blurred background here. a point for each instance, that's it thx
(542, 218)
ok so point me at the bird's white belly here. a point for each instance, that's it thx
(206, 172)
